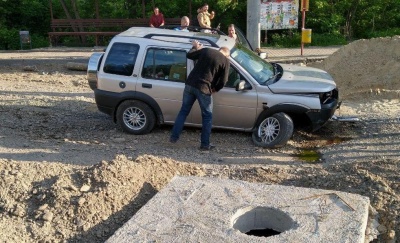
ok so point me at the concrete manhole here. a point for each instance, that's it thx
(262, 221)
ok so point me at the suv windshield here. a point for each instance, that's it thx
(261, 70)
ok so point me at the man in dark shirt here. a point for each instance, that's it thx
(208, 76)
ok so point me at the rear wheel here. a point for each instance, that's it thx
(135, 117)
(273, 131)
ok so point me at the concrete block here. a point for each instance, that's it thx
(201, 209)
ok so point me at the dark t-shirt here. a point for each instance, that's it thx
(210, 71)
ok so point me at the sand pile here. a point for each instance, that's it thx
(366, 68)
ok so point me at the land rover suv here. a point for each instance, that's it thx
(139, 82)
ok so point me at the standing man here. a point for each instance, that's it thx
(157, 19)
(204, 17)
(208, 76)
(232, 31)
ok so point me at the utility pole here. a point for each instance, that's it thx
(253, 23)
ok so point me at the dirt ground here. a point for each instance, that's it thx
(67, 174)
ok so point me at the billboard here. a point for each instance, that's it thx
(279, 14)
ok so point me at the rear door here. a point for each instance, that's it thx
(118, 68)
(163, 77)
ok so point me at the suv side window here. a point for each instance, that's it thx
(121, 59)
(165, 64)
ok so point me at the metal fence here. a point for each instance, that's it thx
(291, 53)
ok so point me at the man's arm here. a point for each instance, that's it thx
(211, 15)
(194, 53)
(223, 78)
(163, 20)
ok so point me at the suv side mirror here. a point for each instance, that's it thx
(242, 85)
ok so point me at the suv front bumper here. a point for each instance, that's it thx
(318, 118)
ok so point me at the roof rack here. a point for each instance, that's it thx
(195, 29)
(211, 43)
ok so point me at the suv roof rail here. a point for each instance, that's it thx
(195, 29)
(150, 36)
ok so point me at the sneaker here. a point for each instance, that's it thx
(207, 148)
(173, 140)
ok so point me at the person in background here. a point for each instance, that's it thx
(232, 31)
(157, 19)
(209, 75)
(185, 22)
(204, 17)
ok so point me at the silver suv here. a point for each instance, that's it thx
(139, 81)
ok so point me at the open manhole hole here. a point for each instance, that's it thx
(262, 221)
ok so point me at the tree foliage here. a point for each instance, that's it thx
(353, 18)
(350, 18)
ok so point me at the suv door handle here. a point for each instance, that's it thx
(148, 86)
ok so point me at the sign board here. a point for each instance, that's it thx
(25, 38)
(305, 4)
(279, 14)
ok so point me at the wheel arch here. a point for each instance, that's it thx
(288, 109)
(134, 95)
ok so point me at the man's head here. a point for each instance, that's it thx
(204, 8)
(225, 51)
(231, 30)
(185, 21)
(156, 11)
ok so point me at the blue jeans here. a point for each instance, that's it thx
(190, 94)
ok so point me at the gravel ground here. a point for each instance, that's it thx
(68, 175)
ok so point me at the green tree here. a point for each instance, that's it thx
(353, 18)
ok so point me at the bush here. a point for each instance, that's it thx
(383, 33)
(39, 41)
(292, 39)
(286, 39)
(10, 40)
(328, 40)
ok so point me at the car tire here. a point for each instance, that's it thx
(273, 131)
(135, 117)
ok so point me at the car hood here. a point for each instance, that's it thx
(298, 79)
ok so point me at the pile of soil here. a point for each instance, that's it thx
(366, 69)
(67, 174)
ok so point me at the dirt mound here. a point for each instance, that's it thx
(54, 186)
(366, 68)
(78, 198)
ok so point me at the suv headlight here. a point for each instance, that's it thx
(328, 97)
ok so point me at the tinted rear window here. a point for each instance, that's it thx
(121, 59)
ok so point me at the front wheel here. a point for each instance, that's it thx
(135, 117)
(273, 131)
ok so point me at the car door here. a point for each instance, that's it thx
(232, 109)
(242, 39)
(163, 77)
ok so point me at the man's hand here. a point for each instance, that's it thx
(197, 45)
